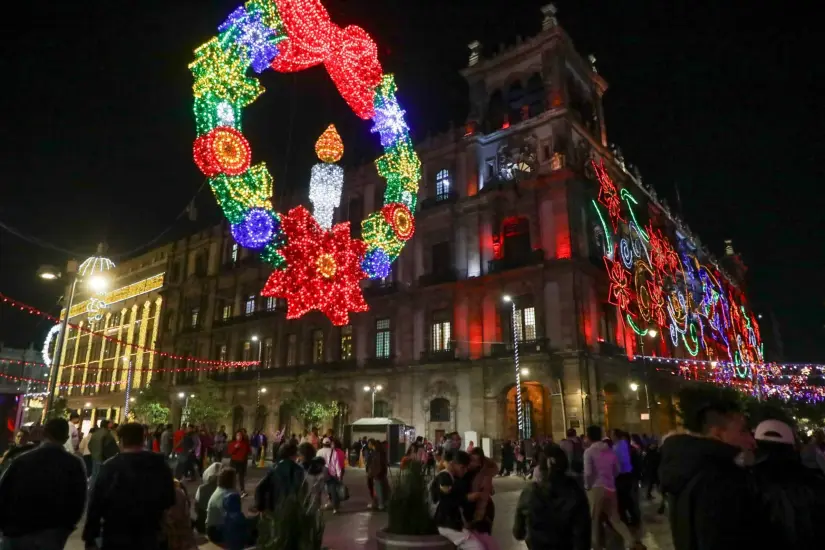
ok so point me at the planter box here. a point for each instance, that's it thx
(387, 541)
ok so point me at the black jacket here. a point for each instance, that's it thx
(285, 478)
(44, 488)
(130, 495)
(793, 495)
(713, 504)
(449, 495)
(553, 515)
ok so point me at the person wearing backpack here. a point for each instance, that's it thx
(448, 498)
(553, 514)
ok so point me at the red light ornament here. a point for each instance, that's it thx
(222, 150)
(323, 269)
(401, 220)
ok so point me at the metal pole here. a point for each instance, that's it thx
(258, 404)
(649, 415)
(373, 402)
(519, 409)
(61, 343)
(129, 377)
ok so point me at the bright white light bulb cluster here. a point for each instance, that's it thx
(325, 184)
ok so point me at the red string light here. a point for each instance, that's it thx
(222, 150)
(349, 54)
(34, 311)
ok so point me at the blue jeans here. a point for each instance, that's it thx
(96, 464)
(52, 539)
(332, 490)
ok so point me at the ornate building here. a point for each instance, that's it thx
(94, 371)
(529, 202)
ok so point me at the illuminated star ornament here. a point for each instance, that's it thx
(316, 265)
(323, 269)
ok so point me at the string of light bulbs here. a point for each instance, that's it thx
(201, 361)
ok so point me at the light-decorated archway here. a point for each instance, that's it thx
(317, 266)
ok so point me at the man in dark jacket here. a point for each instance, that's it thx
(102, 446)
(132, 492)
(712, 501)
(448, 496)
(42, 493)
(554, 514)
(285, 478)
(793, 494)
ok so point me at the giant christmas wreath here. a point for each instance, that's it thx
(316, 266)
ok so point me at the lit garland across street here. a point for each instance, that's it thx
(290, 36)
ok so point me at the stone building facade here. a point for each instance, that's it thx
(504, 210)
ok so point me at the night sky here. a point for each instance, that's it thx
(724, 102)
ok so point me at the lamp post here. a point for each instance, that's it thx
(129, 376)
(635, 388)
(519, 407)
(375, 388)
(652, 334)
(258, 386)
(91, 270)
(185, 414)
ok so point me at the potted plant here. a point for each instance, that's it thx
(293, 526)
(409, 522)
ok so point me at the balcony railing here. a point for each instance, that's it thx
(381, 288)
(451, 197)
(440, 355)
(525, 347)
(438, 277)
(503, 264)
(380, 362)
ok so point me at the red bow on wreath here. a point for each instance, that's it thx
(349, 55)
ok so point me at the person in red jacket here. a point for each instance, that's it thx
(238, 451)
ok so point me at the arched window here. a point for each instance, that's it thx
(442, 185)
(381, 409)
(440, 410)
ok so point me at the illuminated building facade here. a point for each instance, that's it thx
(527, 201)
(94, 371)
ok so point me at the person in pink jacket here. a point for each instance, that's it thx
(335, 460)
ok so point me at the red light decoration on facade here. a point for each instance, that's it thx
(401, 220)
(619, 294)
(608, 194)
(349, 55)
(323, 269)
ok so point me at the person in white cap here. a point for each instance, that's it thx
(794, 496)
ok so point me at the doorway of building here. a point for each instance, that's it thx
(438, 436)
(535, 400)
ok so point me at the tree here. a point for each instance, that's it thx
(207, 406)
(152, 406)
(310, 402)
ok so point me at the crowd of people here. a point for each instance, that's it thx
(716, 483)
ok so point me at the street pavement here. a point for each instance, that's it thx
(354, 527)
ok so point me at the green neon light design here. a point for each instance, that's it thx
(636, 329)
(625, 194)
(604, 227)
(693, 337)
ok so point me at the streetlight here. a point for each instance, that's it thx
(635, 388)
(255, 338)
(91, 270)
(185, 415)
(519, 409)
(375, 388)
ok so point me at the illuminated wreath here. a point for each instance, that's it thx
(316, 266)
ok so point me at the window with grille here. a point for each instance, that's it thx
(381, 409)
(222, 352)
(383, 336)
(268, 351)
(226, 311)
(246, 351)
(250, 304)
(526, 323)
(271, 303)
(440, 410)
(194, 316)
(441, 332)
(442, 184)
(317, 346)
(234, 252)
(346, 343)
(291, 349)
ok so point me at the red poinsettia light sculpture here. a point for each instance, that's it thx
(323, 269)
